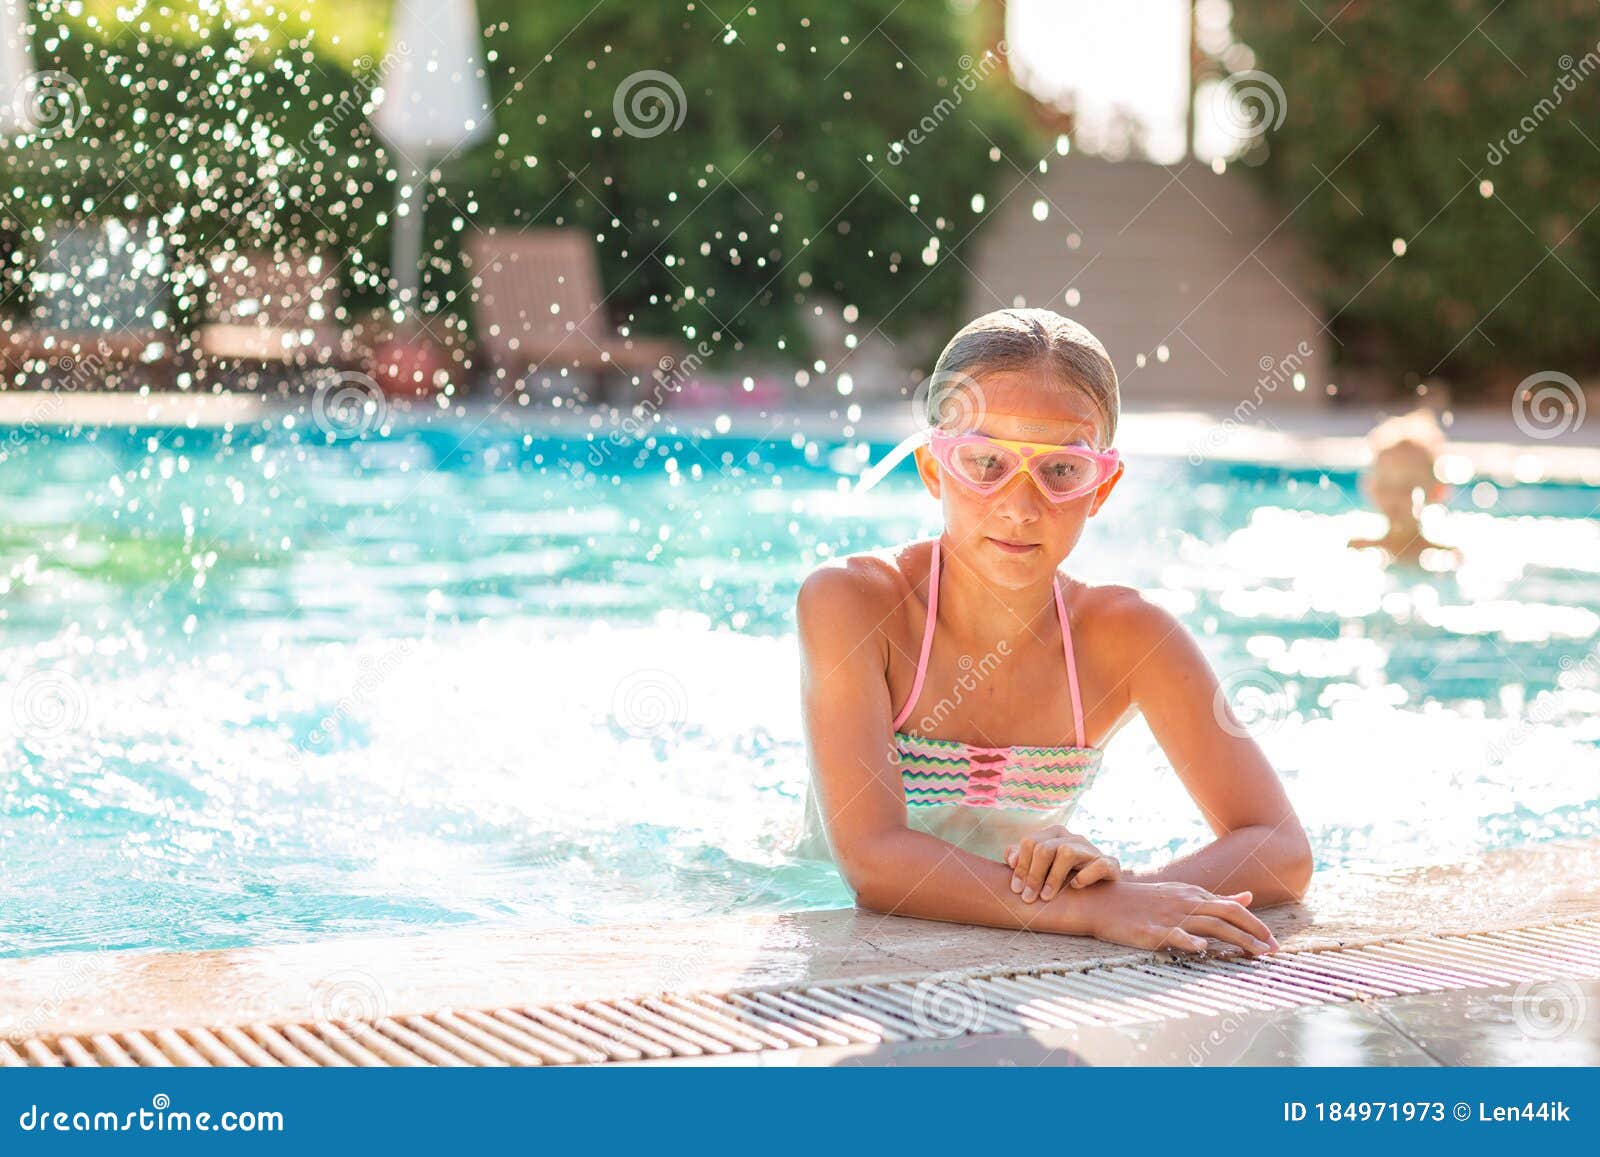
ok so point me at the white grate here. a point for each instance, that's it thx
(707, 1024)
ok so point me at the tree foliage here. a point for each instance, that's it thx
(231, 129)
(776, 191)
(1470, 132)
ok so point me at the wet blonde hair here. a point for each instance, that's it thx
(1419, 430)
(1026, 339)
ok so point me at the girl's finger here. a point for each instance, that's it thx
(1222, 930)
(1018, 859)
(1100, 868)
(1037, 867)
(1181, 941)
(1239, 916)
(1066, 860)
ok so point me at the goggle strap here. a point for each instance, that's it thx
(876, 474)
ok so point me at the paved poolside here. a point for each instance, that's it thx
(87, 993)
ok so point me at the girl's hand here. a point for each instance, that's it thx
(1171, 915)
(1043, 861)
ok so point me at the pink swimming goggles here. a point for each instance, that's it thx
(984, 464)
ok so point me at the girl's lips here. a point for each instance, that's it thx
(1014, 547)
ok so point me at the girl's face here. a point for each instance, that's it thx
(1397, 473)
(1016, 536)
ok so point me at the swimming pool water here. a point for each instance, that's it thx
(257, 687)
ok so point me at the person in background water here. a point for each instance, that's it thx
(1015, 674)
(1401, 481)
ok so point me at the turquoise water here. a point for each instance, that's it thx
(257, 687)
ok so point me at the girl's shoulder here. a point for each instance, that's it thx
(1094, 601)
(862, 591)
(1124, 636)
(1117, 612)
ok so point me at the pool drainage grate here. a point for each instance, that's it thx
(941, 1006)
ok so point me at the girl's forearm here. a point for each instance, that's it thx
(912, 873)
(1272, 864)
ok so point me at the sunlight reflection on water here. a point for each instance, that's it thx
(345, 694)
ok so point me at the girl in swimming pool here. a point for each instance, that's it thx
(960, 814)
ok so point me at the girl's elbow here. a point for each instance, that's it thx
(872, 897)
(872, 888)
(1298, 865)
(868, 875)
(871, 892)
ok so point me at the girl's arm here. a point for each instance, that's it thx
(848, 722)
(895, 869)
(1260, 845)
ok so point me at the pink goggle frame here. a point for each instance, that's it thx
(1061, 473)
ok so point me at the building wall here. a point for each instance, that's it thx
(1174, 256)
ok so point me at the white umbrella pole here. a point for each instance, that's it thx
(16, 66)
(435, 104)
(410, 197)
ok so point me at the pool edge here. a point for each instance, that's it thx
(97, 992)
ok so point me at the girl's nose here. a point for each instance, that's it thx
(1021, 496)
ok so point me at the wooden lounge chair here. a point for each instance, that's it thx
(101, 312)
(540, 307)
(263, 308)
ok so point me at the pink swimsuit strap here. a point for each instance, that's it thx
(927, 648)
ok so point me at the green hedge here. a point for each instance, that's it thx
(780, 117)
(256, 136)
(1491, 288)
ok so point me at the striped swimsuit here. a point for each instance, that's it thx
(982, 799)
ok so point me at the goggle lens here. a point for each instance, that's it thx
(984, 465)
(1058, 472)
(1063, 472)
